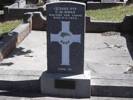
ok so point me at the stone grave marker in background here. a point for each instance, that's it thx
(49, 1)
(65, 51)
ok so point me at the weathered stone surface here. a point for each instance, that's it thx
(38, 21)
(66, 85)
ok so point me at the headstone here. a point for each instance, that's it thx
(65, 51)
(21, 3)
(65, 43)
(49, 1)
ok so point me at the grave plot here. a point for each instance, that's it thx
(20, 7)
(107, 55)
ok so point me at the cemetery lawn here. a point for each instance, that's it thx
(1, 12)
(7, 26)
(116, 13)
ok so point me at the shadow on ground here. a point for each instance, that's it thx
(6, 64)
(129, 42)
(19, 51)
(112, 91)
(27, 88)
(16, 52)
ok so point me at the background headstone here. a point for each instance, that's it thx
(49, 1)
(65, 38)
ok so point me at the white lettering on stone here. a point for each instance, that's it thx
(65, 38)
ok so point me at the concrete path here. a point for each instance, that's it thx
(110, 52)
(29, 55)
(106, 55)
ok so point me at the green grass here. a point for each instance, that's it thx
(7, 26)
(116, 13)
(1, 12)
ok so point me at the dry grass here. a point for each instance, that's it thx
(116, 13)
(7, 26)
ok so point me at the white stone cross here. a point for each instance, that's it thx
(65, 38)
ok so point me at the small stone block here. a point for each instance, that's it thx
(77, 86)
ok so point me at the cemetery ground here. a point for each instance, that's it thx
(1, 12)
(106, 55)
